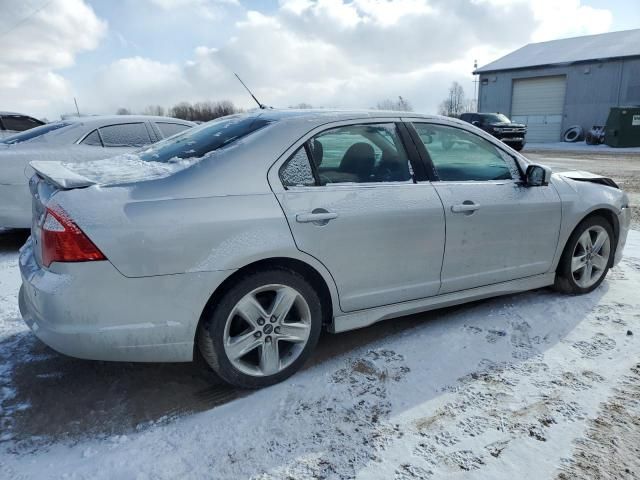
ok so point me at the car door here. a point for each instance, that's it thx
(349, 196)
(498, 229)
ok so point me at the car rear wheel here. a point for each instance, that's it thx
(262, 330)
(586, 258)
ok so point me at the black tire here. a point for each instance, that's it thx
(565, 281)
(591, 139)
(573, 134)
(518, 146)
(210, 333)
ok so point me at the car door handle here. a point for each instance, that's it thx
(315, 217)
(465, 207)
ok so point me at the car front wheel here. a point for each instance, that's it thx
(586, 258)
(262, 330)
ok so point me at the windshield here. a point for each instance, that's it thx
(35, 132)
(198, 141)
(495, 118)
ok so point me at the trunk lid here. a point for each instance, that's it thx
(60, 175)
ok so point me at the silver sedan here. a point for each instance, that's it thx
(73, 140)
(237, 241)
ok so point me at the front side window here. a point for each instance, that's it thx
(458, 155)
(125, 135)
(360, 154)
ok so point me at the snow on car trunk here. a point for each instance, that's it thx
(124, 168)
(500, 389)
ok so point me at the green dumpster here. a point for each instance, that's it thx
(623, 127)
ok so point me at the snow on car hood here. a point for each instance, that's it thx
(124, 168)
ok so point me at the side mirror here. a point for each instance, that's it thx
(538, 176)
(475, 123)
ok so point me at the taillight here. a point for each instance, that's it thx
(63, 241)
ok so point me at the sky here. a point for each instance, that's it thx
(327, 53)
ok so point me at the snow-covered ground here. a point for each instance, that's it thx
(529, 386)
(578, 147)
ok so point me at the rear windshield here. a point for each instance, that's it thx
(198, 141)
(35, 132)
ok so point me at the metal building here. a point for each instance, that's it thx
(551, 86)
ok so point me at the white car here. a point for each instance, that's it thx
(73, 140)
(237, 241)
(12, 123)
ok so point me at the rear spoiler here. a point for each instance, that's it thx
(59, 175)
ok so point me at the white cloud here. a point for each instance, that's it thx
(338, 53)
(38, 44)
(209, 9)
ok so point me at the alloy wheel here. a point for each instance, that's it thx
(267, 330)
(590, 256)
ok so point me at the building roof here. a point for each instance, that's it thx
(568, 50)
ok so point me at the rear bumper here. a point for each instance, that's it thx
(15, 206)
(91, 311)
(624, 220)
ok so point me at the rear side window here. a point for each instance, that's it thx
(360, 154)
(20, 123)
(125, 135)
(170, 129)
(198, 141)
(296, 172)
(92, 139)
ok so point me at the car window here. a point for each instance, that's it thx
(92, 139)
(297, 171)
(494, 118)
(169, 129)
(458, 155)
(125, 135)
(40, 133)
(359, 154)
(198, 141)
(19, 123)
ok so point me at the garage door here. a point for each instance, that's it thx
(539, 104)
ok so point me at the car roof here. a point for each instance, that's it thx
(316, 117)
(332, 114)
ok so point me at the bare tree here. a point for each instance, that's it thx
(202, 111)
(455, 104)
(400, 105)
(301, 106)
(123, 111)
(154, 110)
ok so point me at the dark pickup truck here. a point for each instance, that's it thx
(500, 127)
